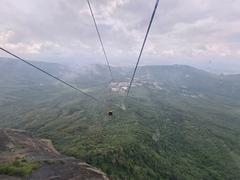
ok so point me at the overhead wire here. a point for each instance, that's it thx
(143, 45)
(100, 39)
(54, 77)
(105, 55)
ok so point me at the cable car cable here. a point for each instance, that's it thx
(143, 45)
(54, 77)
(100, 39)
(103, 49)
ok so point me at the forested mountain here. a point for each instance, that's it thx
(179, 123)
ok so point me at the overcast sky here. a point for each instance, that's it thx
(62, 30)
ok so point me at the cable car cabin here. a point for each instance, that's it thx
(110, 111)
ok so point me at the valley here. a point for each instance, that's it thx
(179, 123)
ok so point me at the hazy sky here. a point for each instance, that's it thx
(63, 30)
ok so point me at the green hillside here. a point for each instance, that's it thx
(179, 123)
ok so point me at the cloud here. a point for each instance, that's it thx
(182, 29)
(25, 47)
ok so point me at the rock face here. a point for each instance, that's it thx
(68, 170)
(20, 144)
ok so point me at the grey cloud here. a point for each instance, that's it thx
(63, 29)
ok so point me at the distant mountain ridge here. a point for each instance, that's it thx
(179, 123)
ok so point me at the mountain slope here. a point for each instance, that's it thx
(25, 156)
(179, 123)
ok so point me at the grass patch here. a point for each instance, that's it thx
(19, 167)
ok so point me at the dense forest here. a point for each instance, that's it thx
(179, 122)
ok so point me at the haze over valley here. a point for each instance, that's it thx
(178, 122)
